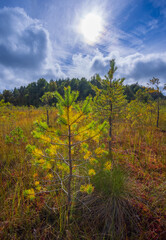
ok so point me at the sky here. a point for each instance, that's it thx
(55, 39)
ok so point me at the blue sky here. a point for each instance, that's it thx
(42, 38)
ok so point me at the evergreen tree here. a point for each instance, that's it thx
(156, 82)
(46, 100)
(65, 155)
(110, 99)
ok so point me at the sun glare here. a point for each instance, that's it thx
(91, 27)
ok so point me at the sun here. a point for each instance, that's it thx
(91, 27)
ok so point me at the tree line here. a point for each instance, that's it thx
(33, 92)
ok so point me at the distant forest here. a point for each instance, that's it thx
(32, 93)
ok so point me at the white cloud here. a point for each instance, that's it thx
(134, 67)
(88, 65)
(141, 68)
(25, 50)
(80, 66)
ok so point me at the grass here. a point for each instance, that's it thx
(128, 202)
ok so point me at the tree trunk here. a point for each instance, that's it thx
(110, 133)
(158, 110)
(70, 168)
(47, 118)
(110, 124)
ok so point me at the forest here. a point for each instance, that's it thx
(32, 93)
(83, 159)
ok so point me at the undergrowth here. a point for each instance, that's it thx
(128, 201)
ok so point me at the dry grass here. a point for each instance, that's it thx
(132, 209)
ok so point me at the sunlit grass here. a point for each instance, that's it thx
(140, 151)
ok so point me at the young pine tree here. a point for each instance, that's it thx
(46, 99)
(110, 99)
(156, 82)
(68, 153)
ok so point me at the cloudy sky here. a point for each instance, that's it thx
(77, 38)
